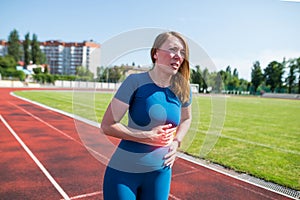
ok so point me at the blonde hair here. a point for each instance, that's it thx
(180, 81)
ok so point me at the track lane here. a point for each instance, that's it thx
(66, 158)
(20, 176)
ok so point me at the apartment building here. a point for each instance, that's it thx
(64, 57)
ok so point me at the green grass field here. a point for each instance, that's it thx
(260, 136)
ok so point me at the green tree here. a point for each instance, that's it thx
(273, 75)
(83, 73)
(298, 69)
(256, 76)
(14, 45)
(244, 85)
(228, 69)
(291, 78)
(37, 70)
(196, 77)
(218, 81)
(205, 78)
(235, 73)
(202, 78)
(36, 54)
(7, 61)
(101, 76)
(26, 49)
(226, 76)
(115, 74)
(231, 81)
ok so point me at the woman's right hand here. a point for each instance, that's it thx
(161, 135)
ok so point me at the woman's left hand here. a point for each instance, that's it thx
(171, 156)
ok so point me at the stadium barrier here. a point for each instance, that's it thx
(281, 95)
(71, 84)
(60, 84)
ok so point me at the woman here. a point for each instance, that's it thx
(159, 115)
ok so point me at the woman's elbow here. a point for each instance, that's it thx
(105, 128)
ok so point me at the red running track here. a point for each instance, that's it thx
(42, 157)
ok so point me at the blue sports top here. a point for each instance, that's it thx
(149, 106)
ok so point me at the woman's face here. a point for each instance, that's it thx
(170, 55)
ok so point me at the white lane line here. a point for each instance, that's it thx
(37, 162)
(211, 167)
(61, 132)
(174, 197)
(186, 173)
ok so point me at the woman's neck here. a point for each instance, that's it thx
(159, 78)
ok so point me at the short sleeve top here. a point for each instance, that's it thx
(149, 104)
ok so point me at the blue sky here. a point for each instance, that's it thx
(232, 32)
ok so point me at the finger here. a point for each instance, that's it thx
(171, 130)
(166, 126)
(170, 154)
(169, 161)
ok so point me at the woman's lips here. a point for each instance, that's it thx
(175, 65)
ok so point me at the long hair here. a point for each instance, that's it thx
(180, 81)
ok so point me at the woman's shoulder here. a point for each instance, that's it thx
(138, 77)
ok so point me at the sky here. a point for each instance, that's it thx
(233, 33)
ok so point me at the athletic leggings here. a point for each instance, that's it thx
(154, 185)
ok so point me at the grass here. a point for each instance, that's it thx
(259, 136)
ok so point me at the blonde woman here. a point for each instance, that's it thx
(159, 115)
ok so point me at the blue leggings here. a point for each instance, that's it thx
(154, 185)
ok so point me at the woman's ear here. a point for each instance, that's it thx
(155, 56)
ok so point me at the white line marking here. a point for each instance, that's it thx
(37, 162)
(174, 197)
(186, 173)
(61, 132)
(194, 160)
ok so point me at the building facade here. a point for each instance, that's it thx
(64, 57)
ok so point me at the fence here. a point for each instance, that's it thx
(71, 84)
(60, 84)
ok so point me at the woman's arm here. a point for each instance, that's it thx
(186, 119)
(185, 123)
(161, 135)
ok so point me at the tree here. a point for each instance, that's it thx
(298, 68)
(115, 74)
(228, 69)
(226, 76)
(290, 80)
(231, 81)
(256, 76)
(196, 77)
(201, 78)
(36, 54)
(7, 62)
(37, 70)
(235, 73)
(218, 86)
(244, 85)
(26, 49)
(84, 74)
(273, 75)
(205, 77)
(14, 45)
